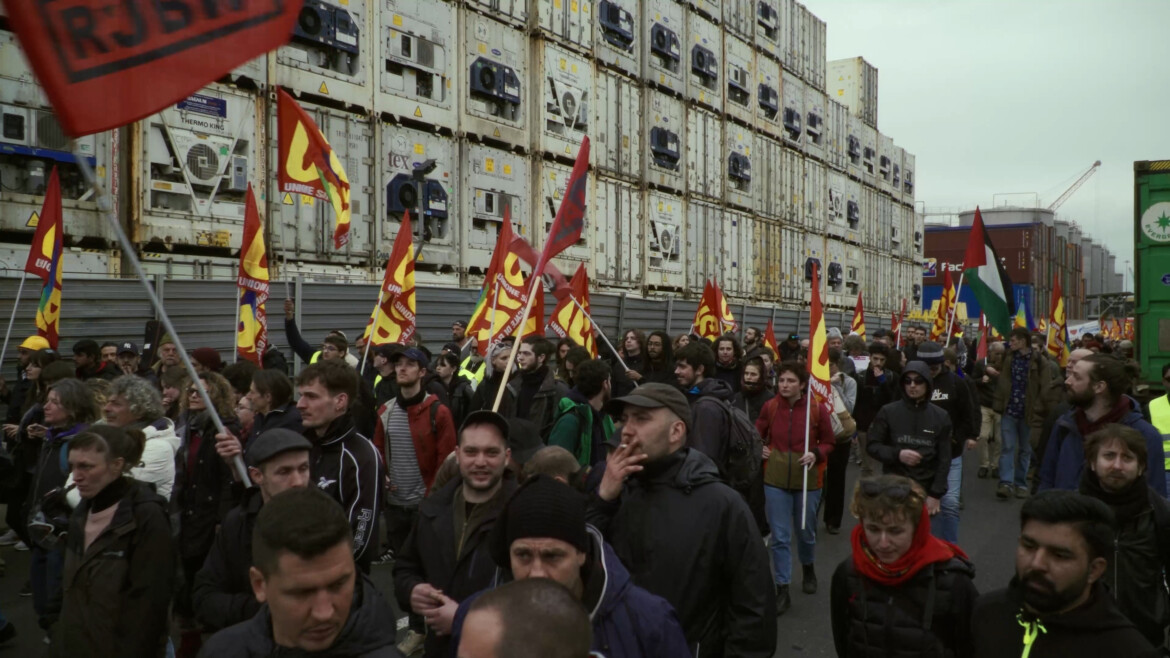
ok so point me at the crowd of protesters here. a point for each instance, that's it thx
(644, 503)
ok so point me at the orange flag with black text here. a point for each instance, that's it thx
(393, 318)
(252, 320)
(568, 321)
(818, 348)
(46, 261)
(858, 325)
(308, 165)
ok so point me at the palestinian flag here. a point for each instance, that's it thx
(987, 278)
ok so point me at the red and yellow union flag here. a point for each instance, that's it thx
(45, 261)
(706, 323)
(393, 318)
(945, 303)
(308, 165)
(769, 340)
(818, 348)
(568, 320)
(252, 320)
(858, 325)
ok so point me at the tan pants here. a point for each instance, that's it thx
(990, 439)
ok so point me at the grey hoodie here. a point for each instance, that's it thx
(919, 426)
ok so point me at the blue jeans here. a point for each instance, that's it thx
(46, 570)
(945, 524)
(1017, 451)
(784, 511)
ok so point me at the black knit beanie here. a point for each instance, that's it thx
(541, 507)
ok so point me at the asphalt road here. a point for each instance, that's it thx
(988, 532)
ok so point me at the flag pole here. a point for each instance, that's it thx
(12, 318)
(807, 419)
(373, 328)
(534, 289)
(128, 251)
(600, 333)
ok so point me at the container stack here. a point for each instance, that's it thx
(724, 146)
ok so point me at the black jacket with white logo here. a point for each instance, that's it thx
(919, 426)
(346, 465)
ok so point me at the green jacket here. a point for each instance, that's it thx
(573, 429)
(1044, 391)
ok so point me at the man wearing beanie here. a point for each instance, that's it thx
(684, 534)
(542, 534)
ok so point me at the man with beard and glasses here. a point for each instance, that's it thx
(446, 558)
(659, 366)
(1096, 388)
(1116, 455)
(1057, 605)
(753, 389)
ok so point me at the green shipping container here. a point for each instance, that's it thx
(1151, 242)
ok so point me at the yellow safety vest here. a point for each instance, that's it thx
(316, 355)
(1160, 419)
(474, 377)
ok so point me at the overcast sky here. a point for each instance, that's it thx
(1019, 96)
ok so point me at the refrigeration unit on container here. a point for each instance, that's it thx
(564, 104)
(704, 62)
(704, 244)
(769, 115)
(885, 164)
(837, 135)
(552, 179)
(664, 121)
(814, 52)
(403, 150)
(616, 139)
(665, 238)
(768, 25)
(854, 266)
(836, 292)
(815, 134)
(854, 216)
(792, 190)
(494, 97)
(869, 155)
(896, 179)
(815, 196)
(814, 253)
(738, 171)
(330, 53)
(854, 151)
(567, 21)
(792, 263)
(302, 226)
(908, 170)
(709, 8)
(200, 154)
(854, 82)
(767, 259)
(874, 233)
(769, 166)
(663, 37)
(736, 277)
(513, 12)
(619, 256)
(704, 154)
(418, 71)
(493, 180)
(792, 110)
(617, 42)
(837, 208)
(741, 76)
(891, 223)
(739, 18)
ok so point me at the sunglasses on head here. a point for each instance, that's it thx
(873, 489)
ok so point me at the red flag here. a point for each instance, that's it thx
(570, 220)
(105, 64)
(395, 312)
(896, 327)
(567, 320)
(981, 350)
(770, 340)
(858, 324)
(45, 261)
(946, 302)
(307, 164)
(818, 348)
(480, 325)
(706, 323)
(252, 320)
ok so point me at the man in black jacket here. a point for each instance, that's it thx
(222, 593)
(1116, 458)
(271, 395)
(534, 387)
(1057, 606)
(912, 437)
(659, 364)
(728, 355)
(315, 602)
(666, 512)
(446, 558)
(878, 387)
(950, 392)
(709, 425)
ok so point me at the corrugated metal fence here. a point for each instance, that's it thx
(204, 312)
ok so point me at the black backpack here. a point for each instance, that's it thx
(742, 462)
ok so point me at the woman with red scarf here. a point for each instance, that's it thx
(903, 592)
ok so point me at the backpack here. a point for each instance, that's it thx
(744, 455)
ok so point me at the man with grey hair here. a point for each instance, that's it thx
(134, 403)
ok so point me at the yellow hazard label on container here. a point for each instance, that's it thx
(212, 238)
(489, 165)
(287, 199)
(306, 200)
(564, 64)
(568, 150)
(557, 4)
(573, 7)
(33, 220)
(496, 132)
(418, 148)
(161, 185)
(323, 89)
(397, 20)
(101, 171)
(507, 170)
(482, 48)
(418, 111)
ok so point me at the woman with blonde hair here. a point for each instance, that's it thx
(903, 592)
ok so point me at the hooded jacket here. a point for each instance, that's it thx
(222, 593)
(1097, 628)
(158, 456)
(367, 632)
(52, 469)
(628, 621)
(709, 431)
(678, 517)
(919, 426)
(1064, 454)
(346, 465)
(432, 443)
(286, 417)
(873, 393)
(117, 593)
(581, 429)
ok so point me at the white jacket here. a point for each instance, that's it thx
(158, 457)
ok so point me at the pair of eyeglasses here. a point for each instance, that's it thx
(873, 489)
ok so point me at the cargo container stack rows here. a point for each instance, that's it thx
(724, 146)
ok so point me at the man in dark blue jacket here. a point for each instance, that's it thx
(1096, 388)
(543, 534)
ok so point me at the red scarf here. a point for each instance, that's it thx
(925, 550)
(1114, 416)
